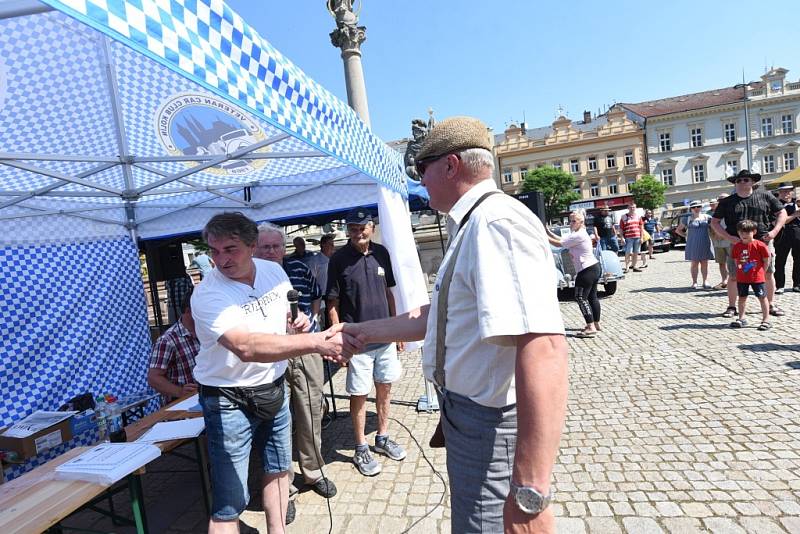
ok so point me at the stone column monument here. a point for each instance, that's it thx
(348, 36)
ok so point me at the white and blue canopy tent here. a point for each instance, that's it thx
(140, 119)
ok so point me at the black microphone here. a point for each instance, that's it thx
(293, 296)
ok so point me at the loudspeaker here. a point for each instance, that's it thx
(534, 200)
(165, 260)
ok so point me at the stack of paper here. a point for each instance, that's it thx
(108, 462)
(35, 422)
(192, 404)
(169, 430)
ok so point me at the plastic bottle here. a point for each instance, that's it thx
(116, 430)
(101, 410)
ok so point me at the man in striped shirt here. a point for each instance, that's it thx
(631, 225)
(305, 373)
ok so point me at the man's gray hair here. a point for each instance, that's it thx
(477, 159)
(269, 228)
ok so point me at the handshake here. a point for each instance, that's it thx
(341, 341)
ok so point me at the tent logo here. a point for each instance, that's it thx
(190, 124)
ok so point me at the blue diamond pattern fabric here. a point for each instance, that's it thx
(74, 320)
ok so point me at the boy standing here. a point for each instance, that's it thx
(750, 256)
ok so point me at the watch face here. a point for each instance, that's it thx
(529, 500)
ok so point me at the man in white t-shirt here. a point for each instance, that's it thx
(242, 316)
(503, 342)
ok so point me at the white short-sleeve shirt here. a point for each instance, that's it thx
(220, 304)
(504, 285)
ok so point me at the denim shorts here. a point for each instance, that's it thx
(759, 289)
(380, 365)
(632, 245)
(231, 433)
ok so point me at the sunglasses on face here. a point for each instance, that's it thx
(695, 207)
(744, 180)
(423, 164)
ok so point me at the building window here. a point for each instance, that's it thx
(699, 173)
(766, 127)
(522, 172)
(730, 132)
(628, 158)
(611, 161)
(577, 191)
(769, 164)
(592, 163)
(631, 181)
(612, 189)
(787, 124)
(697, 137)
(557, 165)
(731, 167)
(595, 190)
(668, 176)
(507, 179)
(665, 141)
(788, 161)
(574, 166)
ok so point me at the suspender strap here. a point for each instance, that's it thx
(444, 289)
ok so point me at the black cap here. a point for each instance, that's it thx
(786, 187)
(358, 216)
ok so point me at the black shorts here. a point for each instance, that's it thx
(759, 289)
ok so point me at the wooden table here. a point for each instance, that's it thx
(36, 501)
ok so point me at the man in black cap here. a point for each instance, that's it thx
(359, 280)
(788, 241)
(767, 212)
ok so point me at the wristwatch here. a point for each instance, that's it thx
(529, 500)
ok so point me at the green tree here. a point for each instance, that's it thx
(648, 192)
(556, 186)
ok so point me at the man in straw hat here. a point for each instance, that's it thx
(767, 212)
(494, 339)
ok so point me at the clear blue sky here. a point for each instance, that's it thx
(496, 59)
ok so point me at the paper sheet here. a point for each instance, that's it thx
(169, 430)
(192, 404)
(35, 422)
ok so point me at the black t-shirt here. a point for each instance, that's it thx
(604, 226)
(359, 281)
(761, 207)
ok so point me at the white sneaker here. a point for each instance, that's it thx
(693, 286)
(779, 291)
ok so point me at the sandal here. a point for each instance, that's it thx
(739, 323)
(729, 312)
(764, 326)
(584, 335)
(776, 311)
(721, 285)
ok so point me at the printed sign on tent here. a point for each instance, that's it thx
(192, 124)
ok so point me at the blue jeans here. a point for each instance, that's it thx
(480, 443)
(609, 243)
(231, 432)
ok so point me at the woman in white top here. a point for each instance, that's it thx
(588, 270)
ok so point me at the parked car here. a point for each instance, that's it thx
(662, 241)
(671, 219)
(612, 269)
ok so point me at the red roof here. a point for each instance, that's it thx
(677, 104)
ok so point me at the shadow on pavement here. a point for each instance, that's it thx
(676, 316)
(769, 347)
(693, 326)
(793, 365)
(663, 290)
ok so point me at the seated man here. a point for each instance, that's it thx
(172, 358)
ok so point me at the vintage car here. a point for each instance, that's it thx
(609, 261)
(662, 241)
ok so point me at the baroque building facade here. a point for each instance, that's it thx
(695, 141)
(605, 154)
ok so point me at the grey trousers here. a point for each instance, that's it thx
(304, 395)
(480, 443)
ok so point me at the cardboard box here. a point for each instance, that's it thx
(38, 442)
(85, 421)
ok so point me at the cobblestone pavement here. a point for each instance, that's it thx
(676, 424)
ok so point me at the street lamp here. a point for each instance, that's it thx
(743, 87)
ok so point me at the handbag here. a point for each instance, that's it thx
(437, 441)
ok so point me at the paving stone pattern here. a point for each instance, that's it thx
(676, 424)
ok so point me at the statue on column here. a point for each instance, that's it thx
(347, 36)
(419, 130)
